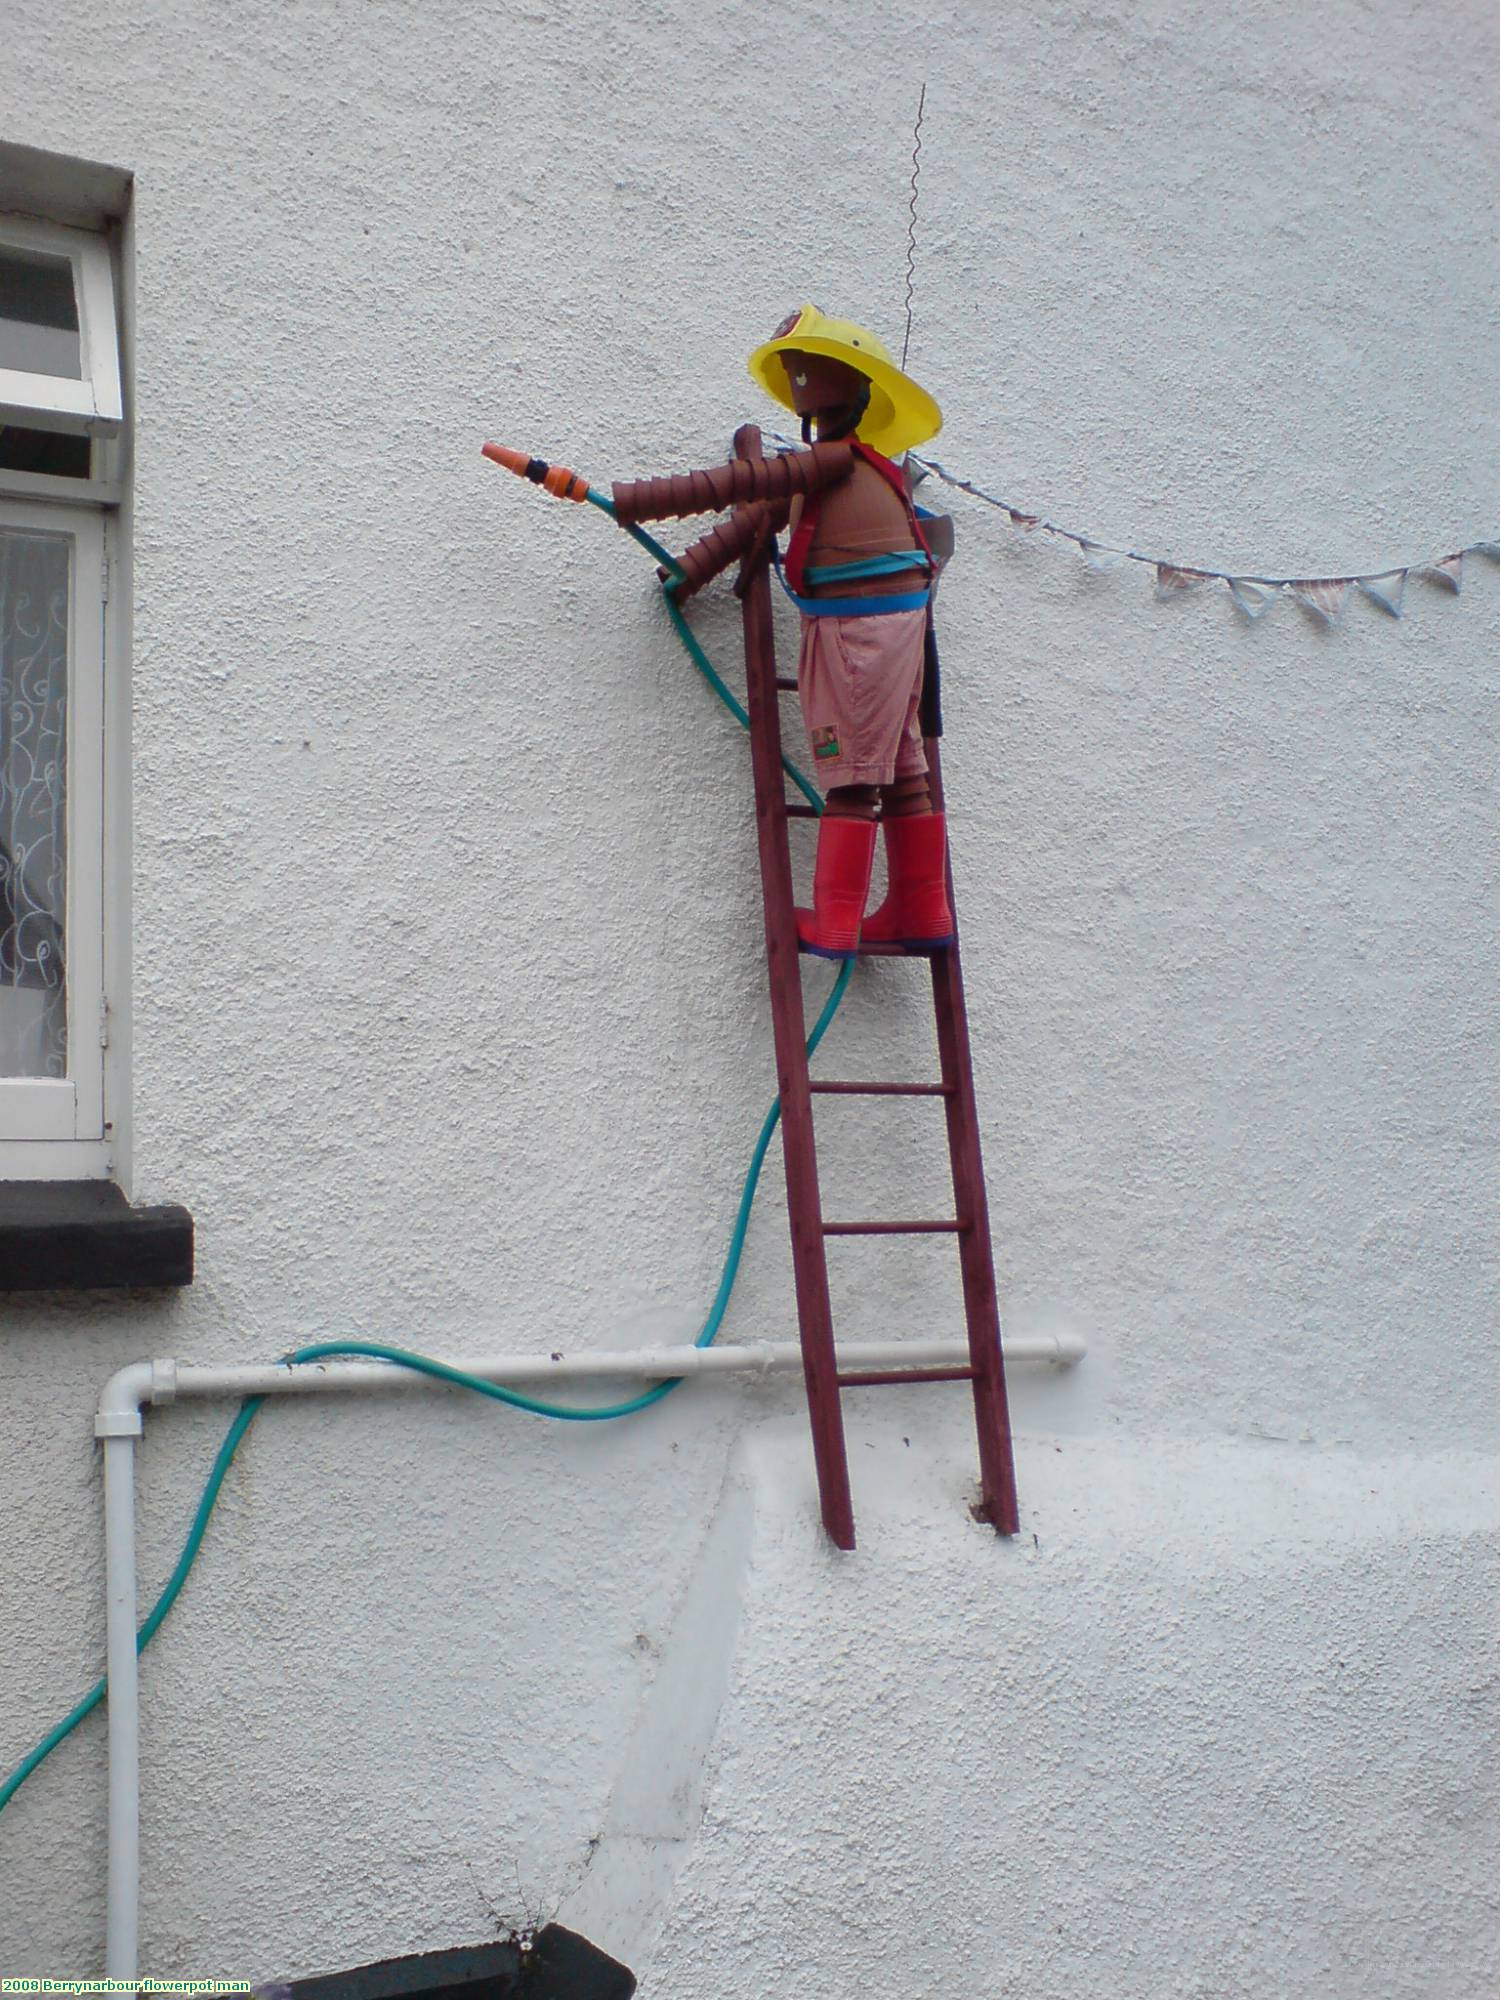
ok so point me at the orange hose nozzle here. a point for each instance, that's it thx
(555, 478)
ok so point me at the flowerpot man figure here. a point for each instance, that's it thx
(860, 568)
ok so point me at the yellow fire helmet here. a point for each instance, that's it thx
(900, 414)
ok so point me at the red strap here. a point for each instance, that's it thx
(797, 548)
(801, 543)
(894, 476)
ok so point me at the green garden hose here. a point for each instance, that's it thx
(423, 1364)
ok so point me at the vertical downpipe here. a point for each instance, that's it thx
(123, 1906)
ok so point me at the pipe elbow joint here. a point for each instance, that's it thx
(128, 1390)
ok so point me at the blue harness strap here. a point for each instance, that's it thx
(855, 607)
(858, 607)
(886, 564)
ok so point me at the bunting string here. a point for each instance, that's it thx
(1323, 597)
(1253, 595)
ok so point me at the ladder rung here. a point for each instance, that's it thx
(893, 1228)
(882, 1089)
(796, 810)
(901, 950)
(787, 684)
(874, 1378)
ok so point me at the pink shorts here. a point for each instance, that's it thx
(860, 680)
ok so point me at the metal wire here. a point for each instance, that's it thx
(911, 233)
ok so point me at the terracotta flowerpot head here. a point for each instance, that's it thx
(816, 382)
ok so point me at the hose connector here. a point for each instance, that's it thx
(557, 479)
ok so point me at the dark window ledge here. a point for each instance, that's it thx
(84, 1236)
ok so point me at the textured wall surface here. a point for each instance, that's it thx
(450, 1023)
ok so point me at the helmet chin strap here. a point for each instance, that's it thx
(840, 423)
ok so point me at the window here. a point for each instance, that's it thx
(59, 338)
(62, 441)
(65, 509)
(51, 830)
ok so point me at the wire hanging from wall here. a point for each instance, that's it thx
(1252, 593)
(911, 232)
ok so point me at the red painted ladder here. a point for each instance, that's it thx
(810, 1232)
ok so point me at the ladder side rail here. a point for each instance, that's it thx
(997, 1473)
(799, 1152)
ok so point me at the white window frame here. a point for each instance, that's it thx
(78, 1128)
(95, 404)
(55, 1127)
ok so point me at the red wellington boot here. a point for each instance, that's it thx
(841, 882)
(915, 912)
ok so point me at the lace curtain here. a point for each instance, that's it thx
(33, 767)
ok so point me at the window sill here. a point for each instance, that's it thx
(84, 1236)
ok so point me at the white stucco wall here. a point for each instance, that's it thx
(450, 1026)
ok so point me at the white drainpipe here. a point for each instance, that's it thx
(156, 1383)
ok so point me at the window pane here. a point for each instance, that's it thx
(61, 453)
(39, 315)
(33, 766)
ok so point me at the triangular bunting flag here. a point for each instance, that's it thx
(1171, 579)
(1448, 571)
(1323, 595)
(1484, 549)
(1252, 596)
(1098, 556)
(1387, 590)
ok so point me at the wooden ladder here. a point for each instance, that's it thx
(810, 1231)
